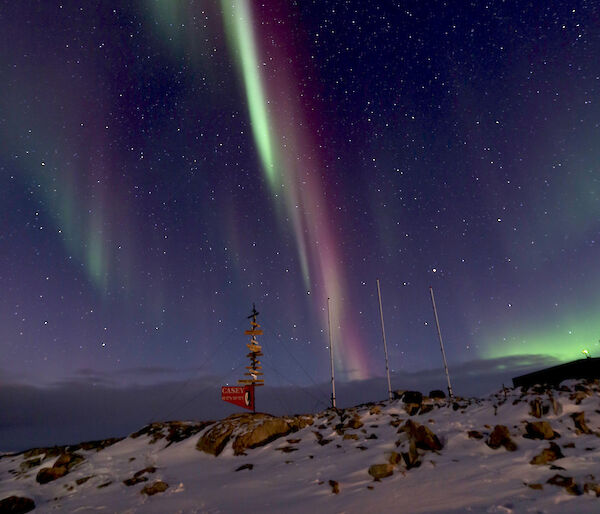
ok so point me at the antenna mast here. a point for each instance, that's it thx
(437, 322)
(331, 357)
(387, 367)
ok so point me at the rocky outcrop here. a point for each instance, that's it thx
(248, 431)
(171, 431)
(138, 476)
(16, 505)
(62, 465)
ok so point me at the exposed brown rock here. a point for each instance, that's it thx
(245, 466)
(350, 436)
(580, 424)
(500, 436)
(423, 437)
(157, 487)
(592, 487)
(376, 409)
(567, 482)
(540, 430)
(16, 505)
(46, 475)
(83, 480)
(379, 471)
(354, 423)
(69, 460)
(411, 458)
(335, 487)
(138, 476)
(474, 434)
(538, 409)
(26, 465)
(394, 458)
(260, 434)
(535, 486)
(437, 394)
(547, 455)
(215, 439)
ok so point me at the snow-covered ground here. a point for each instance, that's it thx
(299, 471)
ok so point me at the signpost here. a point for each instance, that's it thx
(243, 395)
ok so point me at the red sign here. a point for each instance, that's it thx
(243, 396)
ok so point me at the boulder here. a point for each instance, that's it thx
(46, 475)
(394, 458)
(412, 397)
(580, 424)
(215, 439)
(422, 436)
(411, 458)
(592, 487)
(567, 482)
(16, 505)
(260, 434)
(548, 455)
(157, 487)
(376, 409)
(354, 422)
(540, 430)
(500, 436)
(474, 434)
(335, 487)
(437, 394)
(379, 471)
(68, 460)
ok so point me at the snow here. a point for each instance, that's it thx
(465, 476)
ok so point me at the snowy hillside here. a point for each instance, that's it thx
(537, 451)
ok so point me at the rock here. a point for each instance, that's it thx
(579, 396)
(68, 460)
(138, 476)
(379, 471)
(179, 431)
(474, 434)
(423, 437)
(567, 482)
(26, 465)
(354, 423)
(412, 397)
(245, 466)
(157, 487)
(411, 458)
(16, 505)
(335, 487)
(591, 487)
(350, 436)
(437, 394)
(97, 445)
(580, 424)
(500, 436)
(376, 409)
(215, 439)
(105, 484)
(535, 486)
(540, 430)
(46, 475)
(83, 480)
(538, 409)
(260, 434)
(394, 458)
(548, 455)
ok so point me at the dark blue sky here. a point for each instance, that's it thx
(166, 164)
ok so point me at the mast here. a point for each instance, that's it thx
(437, 322)
(331, 356)
(387, 367)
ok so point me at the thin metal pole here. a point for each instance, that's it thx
(437, 322)
(387, 366)
(331, 357)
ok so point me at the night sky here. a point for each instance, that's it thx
(164, 164)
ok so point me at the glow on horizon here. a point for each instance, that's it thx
(562, 339)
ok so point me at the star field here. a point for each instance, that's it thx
(166, 164)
